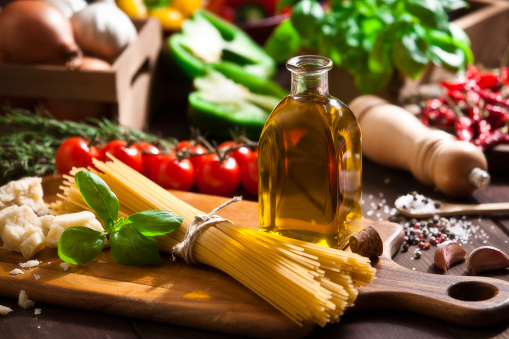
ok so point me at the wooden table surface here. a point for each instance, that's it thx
(381, 186)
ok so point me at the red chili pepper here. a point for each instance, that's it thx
(497, 116)
(464, 129)
(455, 85)
(493, 139)
(488, 80)
(504, 73)
(492, 97)
(474, 113)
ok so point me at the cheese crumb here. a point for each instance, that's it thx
(65, 265)
(17, 271)
(23, 300)
(37, 311)
(4, 310)
(37, 277)
(30, 263)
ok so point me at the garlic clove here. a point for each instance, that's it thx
(447, 253)
(486, 258)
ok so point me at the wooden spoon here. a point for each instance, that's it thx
(447, 209)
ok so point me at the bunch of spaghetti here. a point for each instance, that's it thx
(307, 282)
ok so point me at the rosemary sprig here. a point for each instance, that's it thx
(28, 141)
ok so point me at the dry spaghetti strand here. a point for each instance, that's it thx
(306, 282)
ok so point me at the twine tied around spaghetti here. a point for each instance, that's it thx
(184, 249)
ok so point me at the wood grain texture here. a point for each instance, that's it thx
(201, 297)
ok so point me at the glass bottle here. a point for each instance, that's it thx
(310, 161)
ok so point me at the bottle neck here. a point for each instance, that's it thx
(306, 83)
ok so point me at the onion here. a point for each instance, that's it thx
(77, 110)
(34, 31)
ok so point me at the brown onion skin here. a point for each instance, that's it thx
(36, 32)
(78, 110)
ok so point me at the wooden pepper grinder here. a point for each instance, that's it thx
(394, 137)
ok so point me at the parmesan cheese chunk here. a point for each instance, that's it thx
(4, 310)
(17, 271)
(46, 222)
(26, 191)
(20, 230)
(62, 222)
(23, 300)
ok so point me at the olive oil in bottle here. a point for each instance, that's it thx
(309, 161)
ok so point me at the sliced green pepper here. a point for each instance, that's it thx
(227, 97)
(209, 40)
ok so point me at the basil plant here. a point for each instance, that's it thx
(373, 38)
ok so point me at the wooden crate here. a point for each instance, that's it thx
(126, 87)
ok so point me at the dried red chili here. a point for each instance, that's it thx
(476, 105)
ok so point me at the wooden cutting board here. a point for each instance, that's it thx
(202, 297)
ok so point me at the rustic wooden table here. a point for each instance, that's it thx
(381, 186)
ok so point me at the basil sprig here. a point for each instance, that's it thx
(373, 38)
(131, 239)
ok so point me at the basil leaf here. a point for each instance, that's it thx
(154, 222)
(461, 40)
(380, 56)
(451, 5)
(130, 247)
(446, 51)
(98, 196)
(283, 43)
(306, 18)
(447, 56)
(430, 13)
(409, 54)
(79, 245)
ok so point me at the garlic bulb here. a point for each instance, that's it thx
(103, 30)
(68, 7)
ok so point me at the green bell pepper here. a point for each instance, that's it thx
(209, 40)
(227, 98)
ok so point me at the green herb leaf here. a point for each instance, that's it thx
(130, 247)
(409, 54)
(451, 5)
(461, 40)
(306, 18)
(154, 222)
(283, 42)
(98, 196)
(430, 13)
(79, 245)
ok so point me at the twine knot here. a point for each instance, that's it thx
(184, 249)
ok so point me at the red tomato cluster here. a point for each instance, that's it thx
(217, 173)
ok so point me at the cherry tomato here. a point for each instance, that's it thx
(149, 158)
(218, 176)
(191, 147)
(249, 174)
(74, 152)
(171, 173)
(130, 156)
(242, 153)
